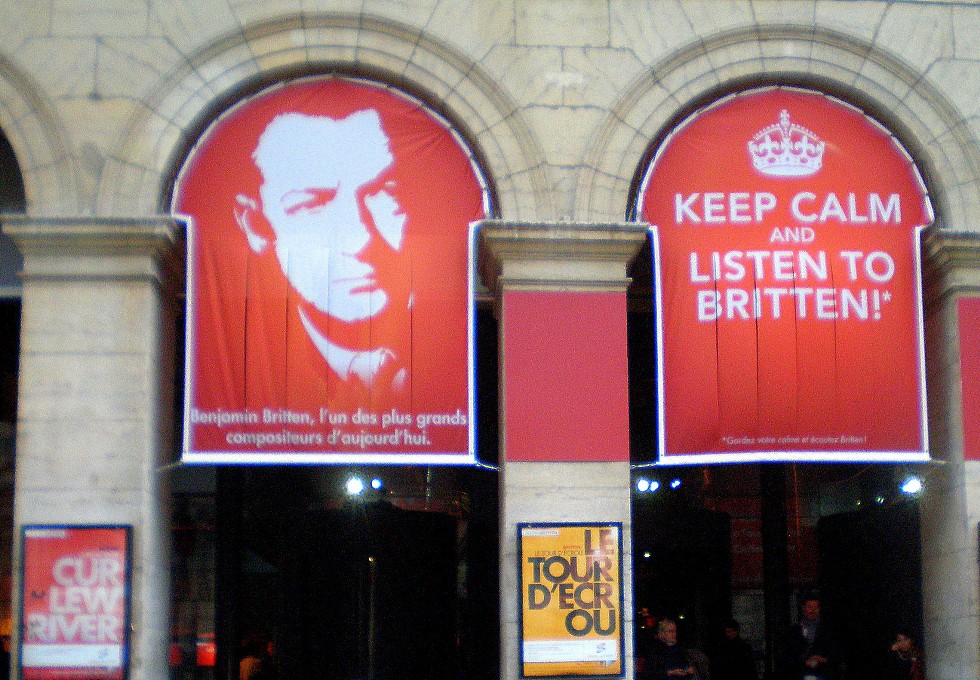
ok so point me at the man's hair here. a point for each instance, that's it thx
(664, 623)
(231, 142)
(221, 168)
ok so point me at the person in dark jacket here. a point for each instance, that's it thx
(665, 659)
(811, 649)
(734, 658)
(904, 661)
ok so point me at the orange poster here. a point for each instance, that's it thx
(571, 599)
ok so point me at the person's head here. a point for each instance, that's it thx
(904, 642)
(252, 645)
(342, 198)
(667, 631)
(328, 198)
(811, 608)
(731, 629)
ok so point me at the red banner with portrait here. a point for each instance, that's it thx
(329, 314)
(786, 254)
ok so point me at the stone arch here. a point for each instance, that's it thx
(40, 143)
(936, 135)
(155, 140)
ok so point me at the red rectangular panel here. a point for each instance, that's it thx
(565, 377)
(969, 313)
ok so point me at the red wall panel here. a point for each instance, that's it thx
(969, 313)
(565, 376)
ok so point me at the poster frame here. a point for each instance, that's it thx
(125, 531)
(521, 585)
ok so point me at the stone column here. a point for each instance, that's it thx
(951, 500)
(560, 294)
(95, 420)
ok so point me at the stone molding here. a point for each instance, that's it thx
(558, 256)
(883, 85)
(98, 248)
(951, 264)
(156, 138)
(39, 140)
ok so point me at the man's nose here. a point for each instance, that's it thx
(353, 231)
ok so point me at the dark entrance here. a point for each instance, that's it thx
(849, 534)
(370, 592)
(389, 584)
(871, 575)
(682, 567)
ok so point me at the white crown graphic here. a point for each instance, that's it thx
(786, 149)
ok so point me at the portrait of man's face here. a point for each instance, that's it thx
(329, 274)
(328, 195)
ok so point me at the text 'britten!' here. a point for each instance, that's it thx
(798, 283)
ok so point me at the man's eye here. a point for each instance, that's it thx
(389, 187)
(389, 190)
(307, 200)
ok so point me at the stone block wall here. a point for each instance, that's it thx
(561, 101)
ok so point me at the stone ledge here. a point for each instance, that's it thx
(61, 248)
(951, 264)
(558, 255)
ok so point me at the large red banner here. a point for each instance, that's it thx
(329, 276)
(968, 310)
(786, 250)
(75, 602)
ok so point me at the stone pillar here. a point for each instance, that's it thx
(96, 393)
(560, 294)
(951, 500)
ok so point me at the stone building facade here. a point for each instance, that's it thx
(561, 101)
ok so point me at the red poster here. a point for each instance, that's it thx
(75, 603)
(969, 326)
(787, 265)
(329, 258)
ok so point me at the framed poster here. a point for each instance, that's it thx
(75, 602)
(571, 613)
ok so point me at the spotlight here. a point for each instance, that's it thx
(654, 485)
(912, 485)
(642, 485)
(646, 555)
(675, 484)
(880, 500)
(376, 484)
(355, 486)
